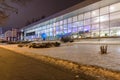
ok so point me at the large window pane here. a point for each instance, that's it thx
(104, 18)
(115, 24)
(104, 10)
(95, 20)
(104, 33)
(80, 17)
(75, 24)
(95, 13)
(87, 31)
(61, 22)
(104, 26)
(104, 29)
(95, 27)
(70, 20)
(115, 7)
(87, 28)
(87, 15)
(65, 21)
(80, 23)
(61, 28)
(65, 27)
(81, 28)
(115, 15)
(65, 31)
(87, 22)
(75, 18)
(115, 32)
(69, 27)
(75, 30)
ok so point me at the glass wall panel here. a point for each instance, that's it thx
(115, 24)
(104, 10)
(95, 13)
(65, 27)
(75, 24)
(115, 32)
(87, 30)
(95, 27)
(61, 22)
(87, 15)
(69, 27)
(65, 31)
(114, 16)
(65, 21)
(75, 30)
(95, 33)
(87, 22)
(95, 20)
(70, 20)
(115, 7)
(80, 17)
(104, 29)
(81, 28)
(80, 23)
(104, 18)
(61, 28)
(75, 18)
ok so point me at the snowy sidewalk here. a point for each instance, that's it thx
(80, 53)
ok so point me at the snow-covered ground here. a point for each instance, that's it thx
(81, 53)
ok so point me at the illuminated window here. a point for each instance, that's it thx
(80, 17)
(65, 21)
(87, 22)
(74, 18)
(115, 7)
(80, 23)
(61, 22)
(75, 24)
(87, 15)
(95, 13)
(75, 30)
(104, 18)
(115, 15)
(87, 28)
(70, 20)
(95, 27)
(95, 20)
(104, 10)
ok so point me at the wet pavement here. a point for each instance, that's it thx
(81, 53)
(14, 66)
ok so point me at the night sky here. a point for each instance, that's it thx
(36, 9)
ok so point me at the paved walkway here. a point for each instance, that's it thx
(15, 66)
(81, 53)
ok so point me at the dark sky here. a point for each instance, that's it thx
(35, 9)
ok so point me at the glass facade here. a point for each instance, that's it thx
(102, 22)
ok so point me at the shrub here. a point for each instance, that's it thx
(44, 45)
(20, 45)
(3, 41)
(11, 42)
(57, 44)
(66, 39)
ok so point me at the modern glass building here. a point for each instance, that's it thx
(89, 19)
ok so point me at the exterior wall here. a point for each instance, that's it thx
(101, 19)
(11, 35)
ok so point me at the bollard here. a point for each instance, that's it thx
(103, 49)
